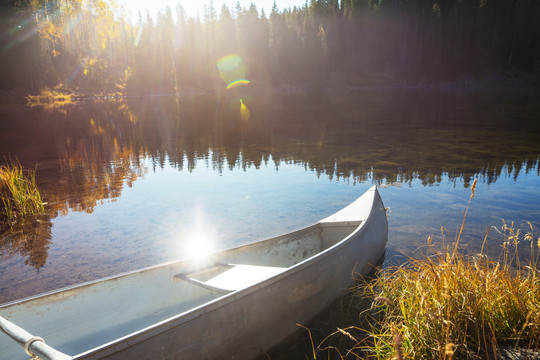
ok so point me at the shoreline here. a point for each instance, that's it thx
(511, 83)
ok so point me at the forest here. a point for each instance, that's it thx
(94, 47)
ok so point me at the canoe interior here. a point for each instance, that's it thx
(83, 317)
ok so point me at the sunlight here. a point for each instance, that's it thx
(19, 34)
(73, 23)
(196, 8)
(199, 246)
(139, 34)
(198, 239)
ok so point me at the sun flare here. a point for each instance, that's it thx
(199, 246)
(195, 237)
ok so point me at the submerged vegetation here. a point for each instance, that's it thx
(449, 305)
(20, 196)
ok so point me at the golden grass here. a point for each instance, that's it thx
(451, 305)
(19, 195)
(49, 96)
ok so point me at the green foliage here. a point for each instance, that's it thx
(20, 196)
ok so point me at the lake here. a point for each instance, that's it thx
(135, 183)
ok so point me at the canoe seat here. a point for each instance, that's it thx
(236, 277)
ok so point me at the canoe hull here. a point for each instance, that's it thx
(250, 323)
(240, 325)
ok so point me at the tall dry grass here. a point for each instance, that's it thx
(19, 195)
(451, 305)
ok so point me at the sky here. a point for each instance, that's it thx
(191, 6)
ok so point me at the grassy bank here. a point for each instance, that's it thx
(61, 98)
(446, 305)
(453, 306)
(19, 195)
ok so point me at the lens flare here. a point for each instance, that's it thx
(232, 71)
(244, 111)
(237, 83)
(18, 34)
(230, 63)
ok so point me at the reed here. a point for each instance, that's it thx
(451, 305)
(19, 194)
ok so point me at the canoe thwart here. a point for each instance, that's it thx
(230, 304)
(232, 277)
(202, 284)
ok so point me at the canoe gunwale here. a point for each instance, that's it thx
(210, 306)
(181, 318)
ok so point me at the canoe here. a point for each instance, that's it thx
(236, 303)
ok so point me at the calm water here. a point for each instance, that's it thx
(141, 182)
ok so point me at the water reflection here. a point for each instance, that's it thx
(30, 242)
(98, 146)
(87, 154)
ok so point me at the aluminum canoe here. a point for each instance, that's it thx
(234, 304)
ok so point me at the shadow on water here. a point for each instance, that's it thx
(86, 154)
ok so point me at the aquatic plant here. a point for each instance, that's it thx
(19, 195)
(451, 305)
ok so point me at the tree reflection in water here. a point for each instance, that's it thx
(88, 153)
(30, 242)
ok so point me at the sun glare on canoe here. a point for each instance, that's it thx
(199, 246)
(198, 238)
